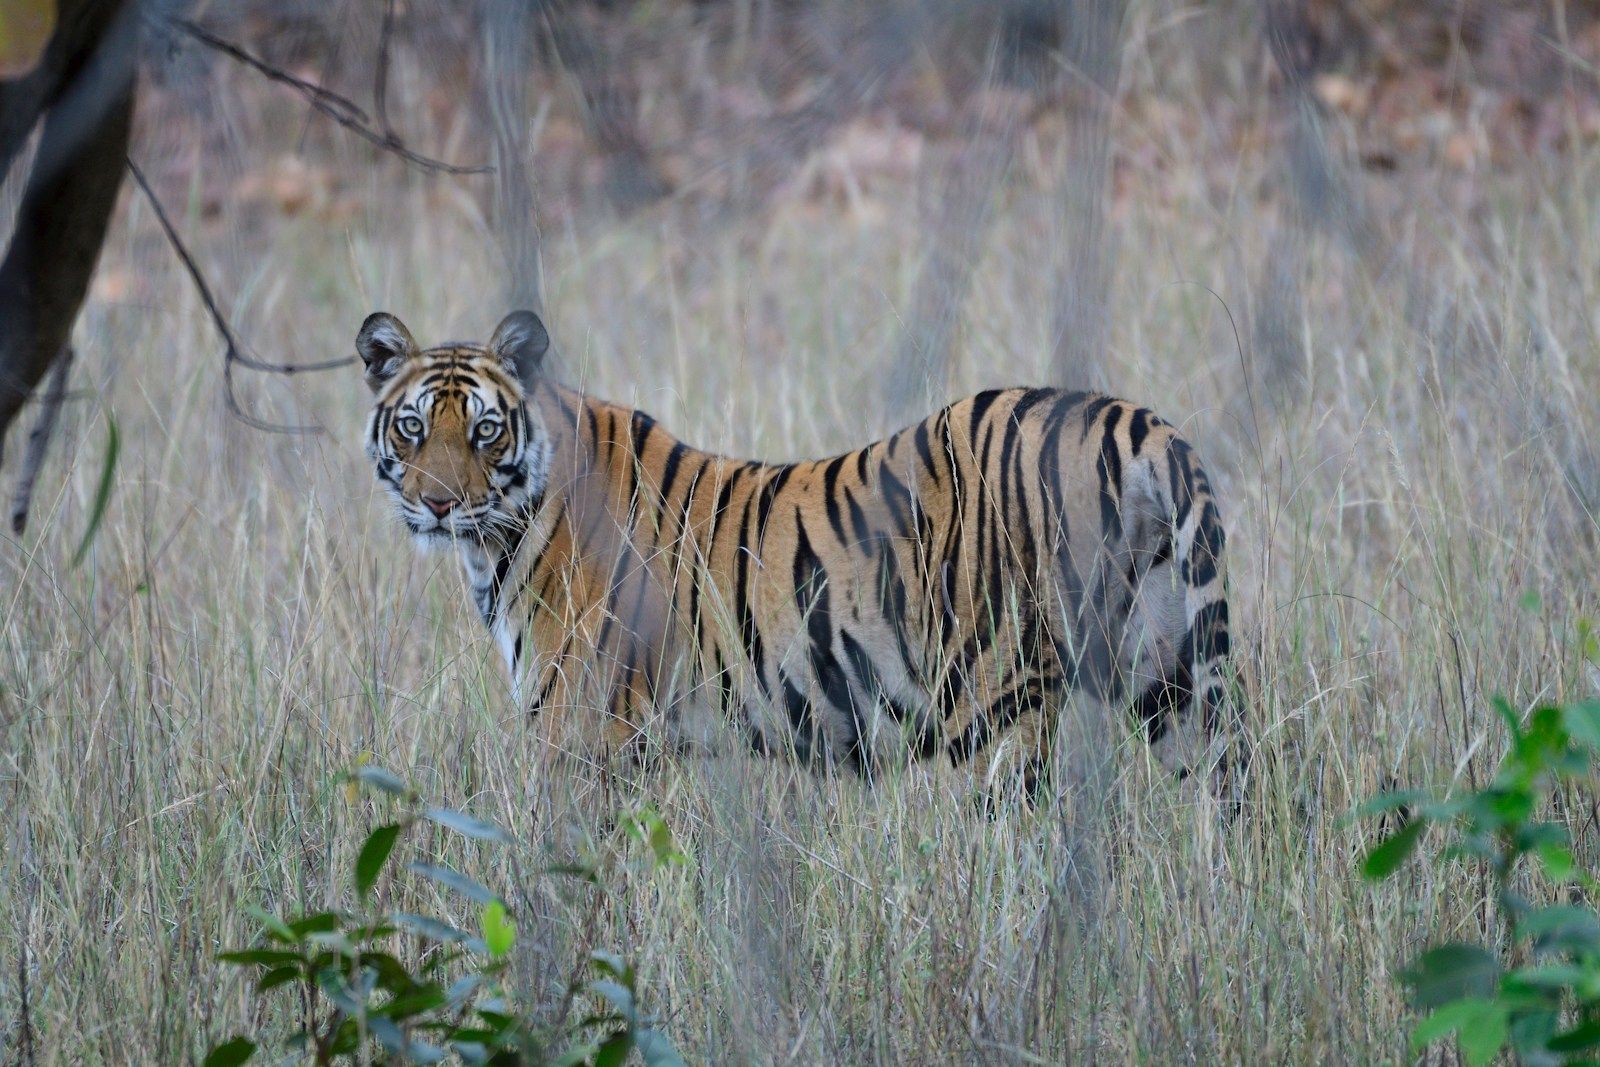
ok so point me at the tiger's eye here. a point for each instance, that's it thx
(486, 432)
(411, 426)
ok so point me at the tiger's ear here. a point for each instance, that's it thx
(384, 344)
(520, 343)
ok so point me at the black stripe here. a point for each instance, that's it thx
(995, 720)
(1204, 554)
(894, 491)
(669, 470)
(806, 739)
(1163, 701)
(1109, 469)
(769, 496)
(748, 631)
(1091, 413)
(830, 496)
(980, 407)
(858, 521)
(1138, 429)
(812, 601)
(1208, 637)
(926, 741)
(924, 449)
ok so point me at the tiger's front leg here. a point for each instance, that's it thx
(587, 708)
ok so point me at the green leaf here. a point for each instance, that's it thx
(609, 963)
(1509, 715)
(263, 956)
(577, 1054)
(499, 932)
(581, 871)
(1548, 976)
(1557, 862)
(102, 493)
(388, 1034)
(462, 988)
(1388, 855)
(322, 922)
(454, 879)
(1483, 1035)
(333, 984)
(276, 977)
(1451, 972)
(378, 778)
(614, 1050)
(620, 997)
(422, 1052)
(1384, 803)
(421, 1000)
(374, 854)
(1504, 806)
(1582, 720)
(1584, 1036)
(465, 824)
(657, 1049)
(332, 941)
(1562, 926)
(1447, 1020)
(433, 929)
(1531, 1031)
(230, 1053)
(276, 927)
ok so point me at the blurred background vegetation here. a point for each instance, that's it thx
(1352, 247)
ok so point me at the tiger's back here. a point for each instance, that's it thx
(941, 591)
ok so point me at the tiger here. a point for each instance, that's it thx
(939, 592)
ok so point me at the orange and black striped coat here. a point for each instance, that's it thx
(941, 591)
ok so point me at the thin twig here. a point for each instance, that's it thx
(330, 103)
(233, 354)
(55, 393)
(340, 109)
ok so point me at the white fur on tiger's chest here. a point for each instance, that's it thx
(480, 571)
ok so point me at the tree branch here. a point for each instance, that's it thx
(233, 355)
(340, 109)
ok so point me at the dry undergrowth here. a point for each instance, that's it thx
(1399, 467)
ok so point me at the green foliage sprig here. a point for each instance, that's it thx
(1538, 992)
(362, 1003)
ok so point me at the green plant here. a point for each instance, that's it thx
(1537, 989)
(362, 1002)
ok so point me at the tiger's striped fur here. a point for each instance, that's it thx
(943, 590)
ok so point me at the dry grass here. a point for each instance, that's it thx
(175, 711)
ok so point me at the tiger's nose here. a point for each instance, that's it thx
(440, 507)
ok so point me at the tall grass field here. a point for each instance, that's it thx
(1399, 404)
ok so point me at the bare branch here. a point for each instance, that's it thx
(233, 355)
(55, 392)
(340, 109)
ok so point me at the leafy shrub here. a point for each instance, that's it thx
(1537, 991)
(360, 1002)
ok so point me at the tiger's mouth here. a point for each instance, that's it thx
(475, 520)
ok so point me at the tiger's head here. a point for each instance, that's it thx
(451, 435)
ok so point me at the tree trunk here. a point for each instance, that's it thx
(85, 83)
